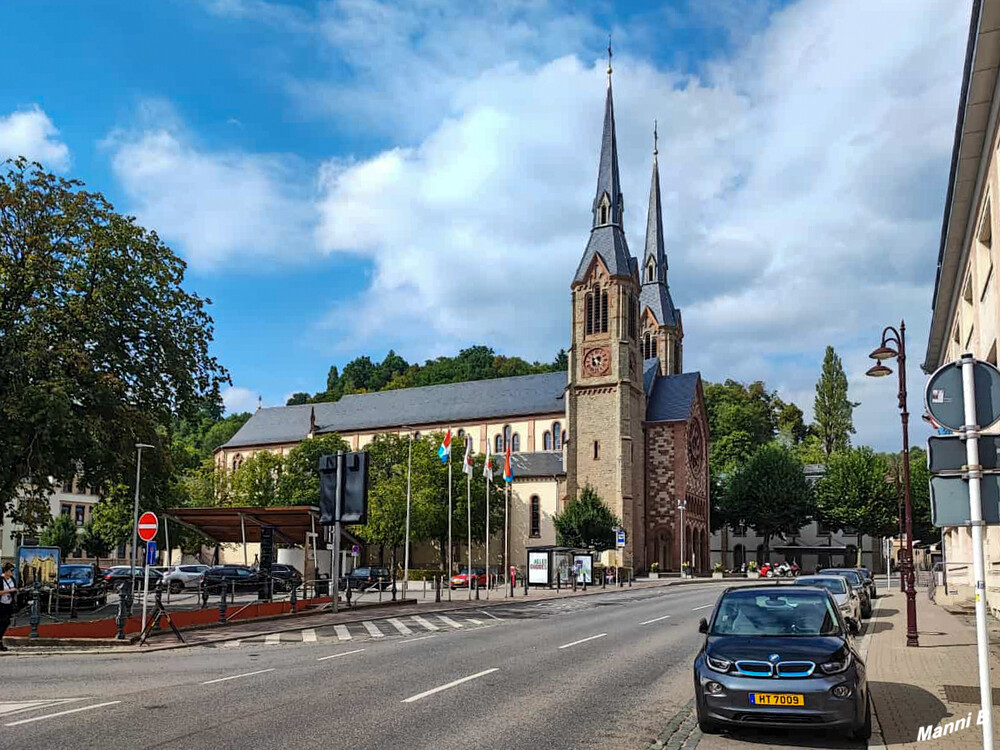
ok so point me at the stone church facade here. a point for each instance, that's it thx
(625, 419)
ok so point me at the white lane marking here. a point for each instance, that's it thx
(237, 676)
(345, 653)
(343, 633)
(449, 621)
(704, 607)
(427, 625)
(403, 630)
(16, 707)
(309, 636)
(421, 638)
(432, 691)
(61, 713)
(474, 621)
(489, 615)
(655, 619)
(583, 640)
(372, 629)
(272, 639)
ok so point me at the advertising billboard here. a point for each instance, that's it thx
(585, 568)
(538, 568)
(38, 563)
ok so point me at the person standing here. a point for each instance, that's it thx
(7, 592)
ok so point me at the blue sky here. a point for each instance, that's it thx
(344, 177)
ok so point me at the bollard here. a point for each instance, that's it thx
(437, 589)
(525, 584)
(203, 594)
(558, 582)
(380, 589)
(294, 599)
(222, 604)
(35, 616)
(584, 583)
(348, 592)
(120, 619)
(512, 587)
(630, 579)
(621, 581)
(158, 598)
(72, 602)
(574, 584)
(394, 587)
(604, 580)
(475, 585)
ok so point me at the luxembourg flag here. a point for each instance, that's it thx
(444, 452)
(467, 461)
(508, 473)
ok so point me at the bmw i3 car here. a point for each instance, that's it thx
(781, 656)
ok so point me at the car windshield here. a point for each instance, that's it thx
(752, 613)
(852, 576)
(831, 584)
(75, 572)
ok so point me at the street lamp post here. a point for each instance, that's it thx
(406, 542)
(135, 522)
(893, 337)
(681, 506)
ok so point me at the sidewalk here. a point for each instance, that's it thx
(933, 684)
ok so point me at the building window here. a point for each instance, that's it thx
(498, 444)
(557, 436)
(604, 312)
(79, 515)
(461, 433)
(237, 461)
(547, 441)
(649, 272)
(515, 443)
(536, 516)
(824, 529)
(589, 313)
(506, 437)
(65, 510)
(68, 486)
(631, 317)
(597, 449)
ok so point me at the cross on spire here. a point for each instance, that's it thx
(655, 140)
(609, 56)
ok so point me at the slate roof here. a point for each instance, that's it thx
(435, 404)
(656, 296)
(654, 222)
(672, 397)
(609, 242)
(537, 464)
(608, 179)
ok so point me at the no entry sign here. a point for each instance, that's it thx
(148, 526)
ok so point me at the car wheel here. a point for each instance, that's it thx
(176, 587)
(866, 611)
(864, 732)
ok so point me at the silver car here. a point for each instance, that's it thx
(180, 577)
(848, 601)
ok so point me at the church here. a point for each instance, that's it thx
(624, 419)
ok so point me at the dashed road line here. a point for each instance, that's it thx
(421, 638)
(337, 656)
(432, 691)
(237, 676)
(706, 606)
(488, 614)
(61, 713)
(655, 619)
(583, 640)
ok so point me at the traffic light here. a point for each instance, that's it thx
(353, 485)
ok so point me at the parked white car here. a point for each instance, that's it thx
(846, 597)
(180, 577)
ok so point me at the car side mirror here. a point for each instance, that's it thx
(853, 626)
(703, 625)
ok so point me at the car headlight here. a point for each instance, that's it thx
(718, 665)
(837, 666)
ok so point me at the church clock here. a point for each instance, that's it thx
(597, 361)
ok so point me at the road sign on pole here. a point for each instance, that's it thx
(948, 453)
(619, 538)
(148, 526)
(945, 400)
(355, 550)
(151, 552)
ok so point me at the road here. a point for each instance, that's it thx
(604, 671)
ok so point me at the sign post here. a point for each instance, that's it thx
(148, 526)
(966, 399)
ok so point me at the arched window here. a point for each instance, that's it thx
(645, 345)
(557, 436)
(649, 272)
(498, 444)
(547, 441)
(597, 450)
(515, 444)
(604, 312)
(461, 433)
(588, 315)
(631, 318)
(506, 436)
(652, 346)
(536, 516)
(237, 461)
(416, 435)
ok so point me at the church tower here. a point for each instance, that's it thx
(605, 399)
(662, 335)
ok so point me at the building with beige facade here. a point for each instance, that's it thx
(624, 419)
(965, 306)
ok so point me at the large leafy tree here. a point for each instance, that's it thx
(61, 533)
(857, 491)
(833, 412)
(93, 543)
(101, 345)
(770, 494)
(257, 481)
(299, 483)
(586, 522)
(112, 516)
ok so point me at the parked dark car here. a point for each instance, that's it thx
(368, 578)
(285, 577)
(83, 584)
(240, 577)
(858, 583)
(870, 580)
(116, 576)
(781, 656)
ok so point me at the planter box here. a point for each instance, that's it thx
(687, 574)
(717, 574)
(753, 574)
(654, 574)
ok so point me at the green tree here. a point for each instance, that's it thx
(61, 533)
(857, 491)
(833, 412)
(298, 398)
(112, 517)
(257, 481)
(221, 432)
(101, 346)
(769, 493)
(31, 511)
(299, 483)
(93, 543)
(586, 522)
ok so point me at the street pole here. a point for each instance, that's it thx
(406, 543)
(451, 567)
(506, 539)
(975, 474)
(680, 506)
(338, 504)
(488, 473)
(135, 521)
(468, 519)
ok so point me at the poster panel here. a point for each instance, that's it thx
(585, 565)
(538, 568)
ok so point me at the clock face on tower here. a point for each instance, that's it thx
(597, 361)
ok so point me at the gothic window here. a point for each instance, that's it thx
(506, 436)
(498, 444)
(597, 449)
(631, 317)
(461, 433)
(604, 211)
(645, 346)
(515, 443)
(649, 272)
(590, 313)
(652, 346)
(547, 441)
(237, 461)
(536, 516)
(557, 436)
(604, 312)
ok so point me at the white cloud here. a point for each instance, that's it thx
(32, 134)
(219, 206)
(237, 399)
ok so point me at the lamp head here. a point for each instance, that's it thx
(878, 371)
(883, 353)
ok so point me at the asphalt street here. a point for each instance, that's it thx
(604, 671)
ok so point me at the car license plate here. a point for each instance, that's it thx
(776, 699)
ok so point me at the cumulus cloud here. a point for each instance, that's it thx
(32, 134)
(219, 206)
(237, 399)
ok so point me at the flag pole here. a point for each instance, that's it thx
(451, 569)
(506, 541)
(487, 473)
(468, 515)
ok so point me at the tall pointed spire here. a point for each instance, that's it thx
(608, 202)
(655, 249)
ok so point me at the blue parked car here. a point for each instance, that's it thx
(84, 583)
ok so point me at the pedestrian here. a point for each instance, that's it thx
(6, 600)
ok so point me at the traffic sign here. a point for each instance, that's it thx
(950, 499)
(148, 526)
(947, 453)
(944, 399)
(355, 550)
(620, 538)
(151, 552)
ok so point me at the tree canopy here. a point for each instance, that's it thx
(61, 533)
(833, 412)
(586, 522)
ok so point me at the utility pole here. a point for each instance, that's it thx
(135, 523)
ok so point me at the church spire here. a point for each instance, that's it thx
(608, 203)
(655, 261)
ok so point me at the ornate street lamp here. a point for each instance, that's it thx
(897, 338)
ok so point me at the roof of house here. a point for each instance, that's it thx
(672, 397)
(435, 404)
(537, 464)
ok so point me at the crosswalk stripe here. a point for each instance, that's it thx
(343, 633)
(372, 629)
(272, 639)
(422, 622)
(449, 621)
(309, 636)
(403, 630)
(474, 622)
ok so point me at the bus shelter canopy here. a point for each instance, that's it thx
(234, 525)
